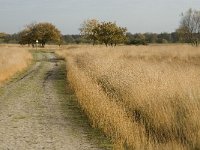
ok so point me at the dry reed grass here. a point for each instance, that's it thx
(145, 97)
(12, 60)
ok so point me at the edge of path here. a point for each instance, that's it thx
(78, 117)
(70, 105)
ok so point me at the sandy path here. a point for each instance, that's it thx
(33, 113)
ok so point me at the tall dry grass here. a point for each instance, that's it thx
(145, 97)
(12, 60)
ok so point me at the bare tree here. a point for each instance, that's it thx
(189, 29)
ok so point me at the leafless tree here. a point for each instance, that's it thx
(189, 29)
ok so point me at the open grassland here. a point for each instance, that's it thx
(12, 60)
(145, 97)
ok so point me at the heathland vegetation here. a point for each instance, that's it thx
(12, 60)
(144, 97)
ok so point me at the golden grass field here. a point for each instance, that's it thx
(12, 60)
(143, 97)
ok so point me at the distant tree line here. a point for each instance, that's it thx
(94, 32)
(9, 38)
(150, 38)
(135, 39)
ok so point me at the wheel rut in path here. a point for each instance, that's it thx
(38, 112)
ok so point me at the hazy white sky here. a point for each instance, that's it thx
(137, 15)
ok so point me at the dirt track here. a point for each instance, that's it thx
(37, 112)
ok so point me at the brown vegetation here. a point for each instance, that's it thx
(144, 97)
(12, 60)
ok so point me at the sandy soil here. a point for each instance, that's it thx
(33, 114)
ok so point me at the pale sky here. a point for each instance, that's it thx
(137, 15)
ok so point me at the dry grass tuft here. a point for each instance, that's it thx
(145, 97)
(12, 60)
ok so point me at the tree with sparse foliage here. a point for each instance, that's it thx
(189, 30)
(43, 32)
(105, 32)
(87, 30)
(25, 36)
(119, 35)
